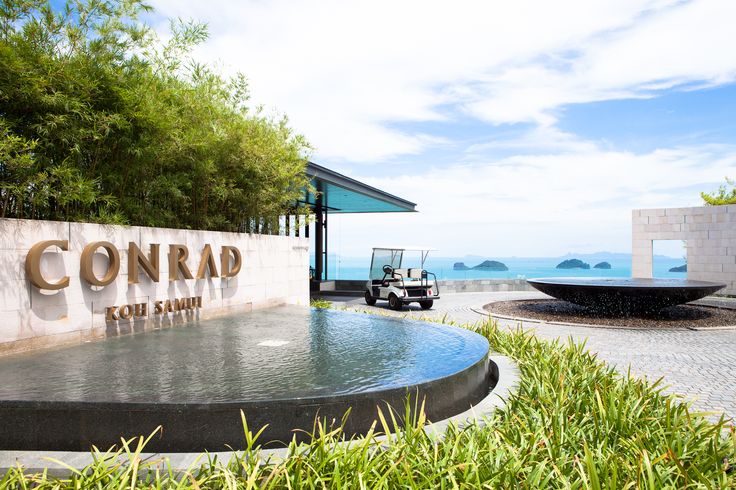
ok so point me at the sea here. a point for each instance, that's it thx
(519, 267)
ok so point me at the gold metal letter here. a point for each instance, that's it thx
(136, 257)
(126, 311)
(225, 260)
(111, 313)
(177, 262)
(33, 265)
(112, 268)
(207, 262)
(141, 309)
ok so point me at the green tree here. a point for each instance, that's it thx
(722, 196)
(101, 121)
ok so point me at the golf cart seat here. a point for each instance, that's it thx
(395, 275)
(388, 276)
(399, 273)
(415, 273)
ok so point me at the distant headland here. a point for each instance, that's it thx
(602, 265)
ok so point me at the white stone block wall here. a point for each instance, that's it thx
(275, 270)
(709, 233)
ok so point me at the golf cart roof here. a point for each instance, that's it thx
(407, 247)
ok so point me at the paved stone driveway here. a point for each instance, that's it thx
(698, 364)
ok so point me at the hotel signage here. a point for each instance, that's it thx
(230, 264)
(178, 268)
(140, 310)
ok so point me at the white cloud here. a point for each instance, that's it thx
(668, 47)
(539, 139)
(541, 204)
(348, 73)
(344, 70)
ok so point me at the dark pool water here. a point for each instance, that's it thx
(284, 352)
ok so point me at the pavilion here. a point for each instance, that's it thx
(336, 193)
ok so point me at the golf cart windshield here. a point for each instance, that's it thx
(384, 256)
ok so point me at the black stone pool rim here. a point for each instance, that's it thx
(217, 426)
(76, 426)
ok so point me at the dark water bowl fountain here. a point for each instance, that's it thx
(625, 297)
(282, 367)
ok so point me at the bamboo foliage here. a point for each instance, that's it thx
(101, 121)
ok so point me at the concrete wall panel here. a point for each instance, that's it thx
(710, 234)
(274, 271)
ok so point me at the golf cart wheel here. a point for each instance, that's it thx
(393, 302)
(426, 304)
(369, 300)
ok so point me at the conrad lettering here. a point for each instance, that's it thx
(139, 263)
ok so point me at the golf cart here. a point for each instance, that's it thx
(400, 286)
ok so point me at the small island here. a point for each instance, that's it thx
(491, 265)
(573, 264)
(602, 265)
(681, 268)
(488, 265)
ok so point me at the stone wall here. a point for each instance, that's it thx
(274, 271)
(710, 235)
(354, 287)
(483, 285)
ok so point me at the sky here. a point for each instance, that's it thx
(524, 128)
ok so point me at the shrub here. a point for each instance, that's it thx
(722, 196)
(101, 121)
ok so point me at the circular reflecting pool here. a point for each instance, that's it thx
(283, 367)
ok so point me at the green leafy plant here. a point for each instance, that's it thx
(320, 303)
(722, 196)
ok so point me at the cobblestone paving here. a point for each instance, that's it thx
(701, 365)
